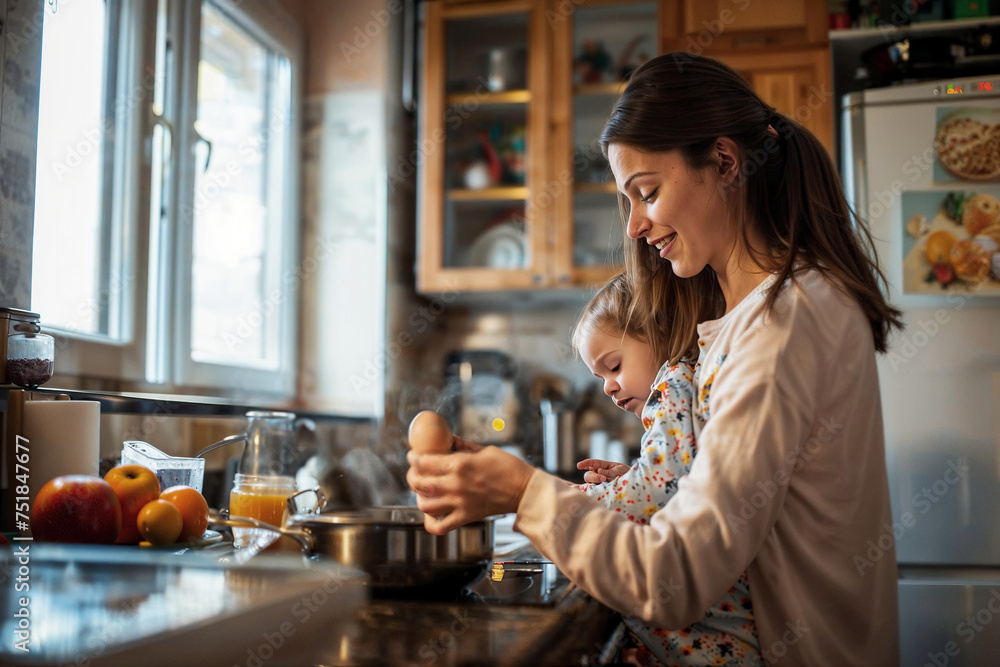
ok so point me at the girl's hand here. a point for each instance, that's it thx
(599, 471)
(467, 485)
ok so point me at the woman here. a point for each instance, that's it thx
(728, 202)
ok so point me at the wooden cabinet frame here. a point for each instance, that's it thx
(432, 274)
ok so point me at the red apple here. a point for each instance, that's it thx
(76, 508)
(135, 486)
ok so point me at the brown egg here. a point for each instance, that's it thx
(429, 434)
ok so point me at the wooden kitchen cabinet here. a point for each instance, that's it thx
(732, 25)
(483, 137)
(796, 83)
(556, 224)
(780, 46)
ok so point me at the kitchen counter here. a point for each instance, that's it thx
(116, 606)
(387, 632)
(560, 626)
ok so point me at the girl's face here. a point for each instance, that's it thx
(678, 210)
(624, 364)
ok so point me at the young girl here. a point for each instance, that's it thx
(619, 354)
(725, 200)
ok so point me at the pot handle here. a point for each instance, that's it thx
(293, 507)
(223, 518)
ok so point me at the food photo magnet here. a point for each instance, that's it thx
(967, 144)
(951, 241)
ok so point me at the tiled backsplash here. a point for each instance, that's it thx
(20, 57)
(537, 337)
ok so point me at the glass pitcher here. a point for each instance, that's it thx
(271, 443)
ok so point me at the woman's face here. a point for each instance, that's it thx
(624, 364)
(679, 210)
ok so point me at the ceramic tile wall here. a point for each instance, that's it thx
(20, 58)
(535, 332)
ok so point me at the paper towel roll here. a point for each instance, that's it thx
(63, 439)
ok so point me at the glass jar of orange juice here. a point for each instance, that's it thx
(259, 497)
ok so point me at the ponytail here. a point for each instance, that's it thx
(812, 226)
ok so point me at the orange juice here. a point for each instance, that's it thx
(259, 497)
(268, 508)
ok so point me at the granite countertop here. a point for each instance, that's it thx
(533, 616)
(417, 633)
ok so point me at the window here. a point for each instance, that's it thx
(70, 225)
(182, 224)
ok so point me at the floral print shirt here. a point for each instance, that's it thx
(673, 417)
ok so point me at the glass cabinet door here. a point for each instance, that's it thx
(484, 123)
(598, 46)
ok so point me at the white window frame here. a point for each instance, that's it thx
(121, 356)
(255, 19)
(155, 345)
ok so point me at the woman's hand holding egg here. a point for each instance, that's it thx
(429, 434)
(469, 484)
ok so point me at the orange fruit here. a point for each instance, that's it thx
(938, 246)
(193, 508)
(159, 522)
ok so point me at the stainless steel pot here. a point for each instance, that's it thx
(392, 546)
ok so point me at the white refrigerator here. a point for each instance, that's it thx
(917, 164)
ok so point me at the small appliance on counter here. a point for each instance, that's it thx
(481, 396)
(27, 356)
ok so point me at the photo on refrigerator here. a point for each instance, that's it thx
(951, 242)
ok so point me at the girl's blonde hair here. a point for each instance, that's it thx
(610, 310)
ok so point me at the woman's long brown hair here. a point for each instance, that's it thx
(787, 185)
